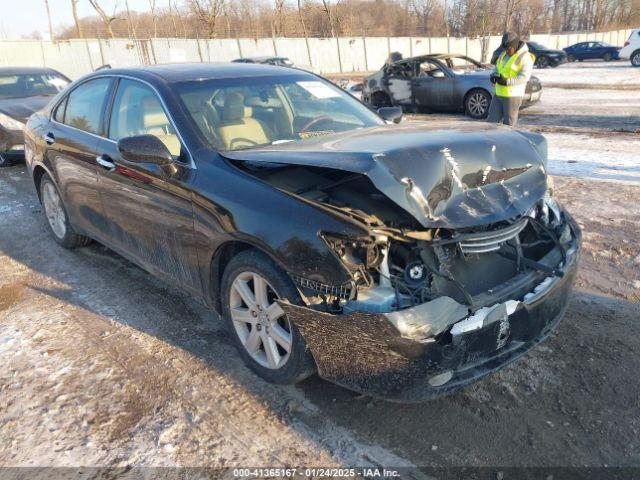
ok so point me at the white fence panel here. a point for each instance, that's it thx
(323, 55)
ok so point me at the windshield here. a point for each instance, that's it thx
(462, 65)
(537, 46)
(242, 113)
(29, 85)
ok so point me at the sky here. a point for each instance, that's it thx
(21, 17)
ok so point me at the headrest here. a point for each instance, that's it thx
(270, 102)
(152, 113)
(233, 109)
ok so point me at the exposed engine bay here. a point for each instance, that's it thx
(400, 264)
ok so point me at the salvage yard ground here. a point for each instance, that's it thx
(104, 365)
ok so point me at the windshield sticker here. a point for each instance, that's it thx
(319, 133)
(319, 89)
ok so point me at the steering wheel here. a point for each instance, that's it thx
(242, 140)
(315, 121)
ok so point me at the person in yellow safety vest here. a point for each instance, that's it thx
(510, 77)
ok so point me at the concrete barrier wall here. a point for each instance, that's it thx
(324, 55)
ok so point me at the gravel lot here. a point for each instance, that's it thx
(104, 365)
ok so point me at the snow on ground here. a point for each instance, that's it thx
(593, 73)
(595, 157)
(586, 109)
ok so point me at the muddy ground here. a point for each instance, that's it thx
(101, 364)
(104, 365)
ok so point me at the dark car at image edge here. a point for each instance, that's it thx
(398, 260)
(23, 90)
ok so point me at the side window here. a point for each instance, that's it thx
(58, 115)
(138, 111)
(84, 105)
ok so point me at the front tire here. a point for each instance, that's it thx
(635, 58)
(607, 57)
(571, 58)
(542, 62)
(476, 103)
(268, 342)
(57, 218)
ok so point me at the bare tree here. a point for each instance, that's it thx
(46, 4)
(154, 18)
(74, 11)
(208, 12)
(108, 20)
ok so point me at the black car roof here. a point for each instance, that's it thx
(260, 59)
(184, 72)
(26, 70)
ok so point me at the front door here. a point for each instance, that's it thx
(149, 209)
(72, 140)
(433, 87)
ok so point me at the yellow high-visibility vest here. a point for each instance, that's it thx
(509, 68)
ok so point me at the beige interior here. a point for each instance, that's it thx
(156, 123)
(238, 129)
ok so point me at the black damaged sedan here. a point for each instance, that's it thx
(402, 261)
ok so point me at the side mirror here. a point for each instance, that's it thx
(391, 114)
(145, 149)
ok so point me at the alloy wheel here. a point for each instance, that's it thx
(478, 104)
(54, 210)
(260, 323)
(635, 60)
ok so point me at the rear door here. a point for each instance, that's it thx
(72, 140)
(149, 209)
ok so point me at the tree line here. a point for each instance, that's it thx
(347, 18)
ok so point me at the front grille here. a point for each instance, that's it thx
(491, 241)
(341, 291)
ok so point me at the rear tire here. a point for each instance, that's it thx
(635, 58)
(268, 342)
(56, 215)
(477, 103)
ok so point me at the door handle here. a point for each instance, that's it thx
(49, 138)
(105, 162)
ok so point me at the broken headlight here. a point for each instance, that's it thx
(356, 253)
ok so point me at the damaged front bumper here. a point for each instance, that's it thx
(380, 354)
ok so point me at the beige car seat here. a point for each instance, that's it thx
(156, 123)
(238, 129)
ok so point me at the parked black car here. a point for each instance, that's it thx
(437, 83)
(592, 51)
(23, 90)
(545, 57)
(399, 260)
(266, 60)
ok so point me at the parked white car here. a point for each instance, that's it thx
(631, 48)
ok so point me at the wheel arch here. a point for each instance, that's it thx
(38, 172)
(470, 91)
(219, 261)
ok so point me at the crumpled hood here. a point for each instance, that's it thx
(446, 174)
(22, 108)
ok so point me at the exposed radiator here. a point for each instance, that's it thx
(490, 241)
